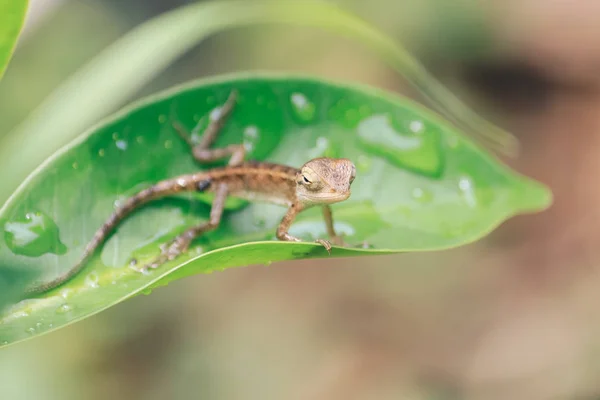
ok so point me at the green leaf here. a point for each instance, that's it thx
(12, 16)
(107, 82)
(420, 186)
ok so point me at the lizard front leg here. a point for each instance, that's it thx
(286, 223)
(328, 217)
(202, 151)
(181, 243)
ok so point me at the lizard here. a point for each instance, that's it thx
(319, 182)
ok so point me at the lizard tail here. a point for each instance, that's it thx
(194, 182)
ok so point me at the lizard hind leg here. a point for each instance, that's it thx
(202, 151)
(181, 243)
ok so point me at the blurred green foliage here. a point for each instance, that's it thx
(12, 15)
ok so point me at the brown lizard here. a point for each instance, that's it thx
(319, 182)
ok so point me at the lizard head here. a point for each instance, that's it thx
(325, 180)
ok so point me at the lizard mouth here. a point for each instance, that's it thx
(333, 197)
(323, 198)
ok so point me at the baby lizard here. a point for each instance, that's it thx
(319, 182)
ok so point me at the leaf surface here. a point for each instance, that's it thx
(420, 186)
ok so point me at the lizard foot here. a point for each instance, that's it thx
(168, 251)
(337, 240)
(325, 243)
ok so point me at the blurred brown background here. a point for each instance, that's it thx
(511, 317)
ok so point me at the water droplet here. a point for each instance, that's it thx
(92, 280)
(20, 314)
(75, 165)
(302, 108)
(121, 145)
(251, 132)
(215, 113)
(33, 236)
(139, 139)
(268, 263)
(416, 126)
(63, 309)
(422, 195)
(419, 153)
(162, 118)
(4, 342)
(101, 152)
(31, 331)
(363, 163)
(115, 135)
(466, 186)
(168, 144)
(251, 137)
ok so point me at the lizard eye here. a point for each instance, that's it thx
(309, 178)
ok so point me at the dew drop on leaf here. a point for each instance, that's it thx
(416, 151)
(121, 145)
(34, 235)
(251, 137)
(466, 186)
(91, 280)
(302, 108)
(63, 309)
(416, 126)
(422, 195)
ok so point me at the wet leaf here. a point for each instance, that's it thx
(420, 186)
